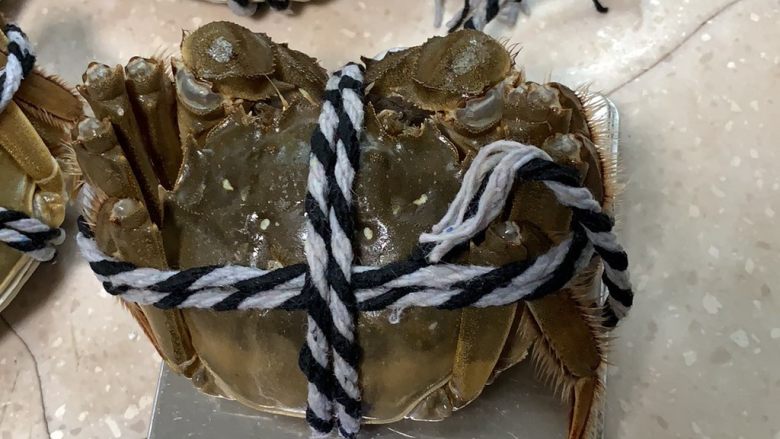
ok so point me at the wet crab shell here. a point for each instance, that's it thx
(32, 131)
(238, 199)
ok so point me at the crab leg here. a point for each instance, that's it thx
(114, 156)
(151, 93)
(569, 353)
(102, 160)
(104, 89)
(482, 335)
(138, 240)
(19, 138)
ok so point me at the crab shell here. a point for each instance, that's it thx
(244, 110)
(32, 130)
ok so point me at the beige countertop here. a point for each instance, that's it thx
(697, 83)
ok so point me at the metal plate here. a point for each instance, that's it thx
(515, 406)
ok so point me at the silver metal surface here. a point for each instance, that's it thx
(515, 406)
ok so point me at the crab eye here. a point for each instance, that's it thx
(482, 113)
(196, 95)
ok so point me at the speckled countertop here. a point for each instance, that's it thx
(698, 85)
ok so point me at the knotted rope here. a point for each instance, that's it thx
(17, 229)
(476, 14)
(333, 291)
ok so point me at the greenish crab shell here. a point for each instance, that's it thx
(244, 111)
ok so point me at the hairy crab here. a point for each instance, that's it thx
(34, 161)
(209, 167)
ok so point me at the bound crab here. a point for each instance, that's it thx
(209, 167)
(34, 162)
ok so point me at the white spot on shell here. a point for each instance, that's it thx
(422, 200)
(395, 316)
(57, 434)
(226, 185)
(264, 224)
(221, 50)
(368, 233)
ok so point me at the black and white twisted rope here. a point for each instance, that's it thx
(247, 8)
(19, 64)
(476, 14)
(348, 103)
(332, 306)
(332, 290)
(17, 229)
(29, 235)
